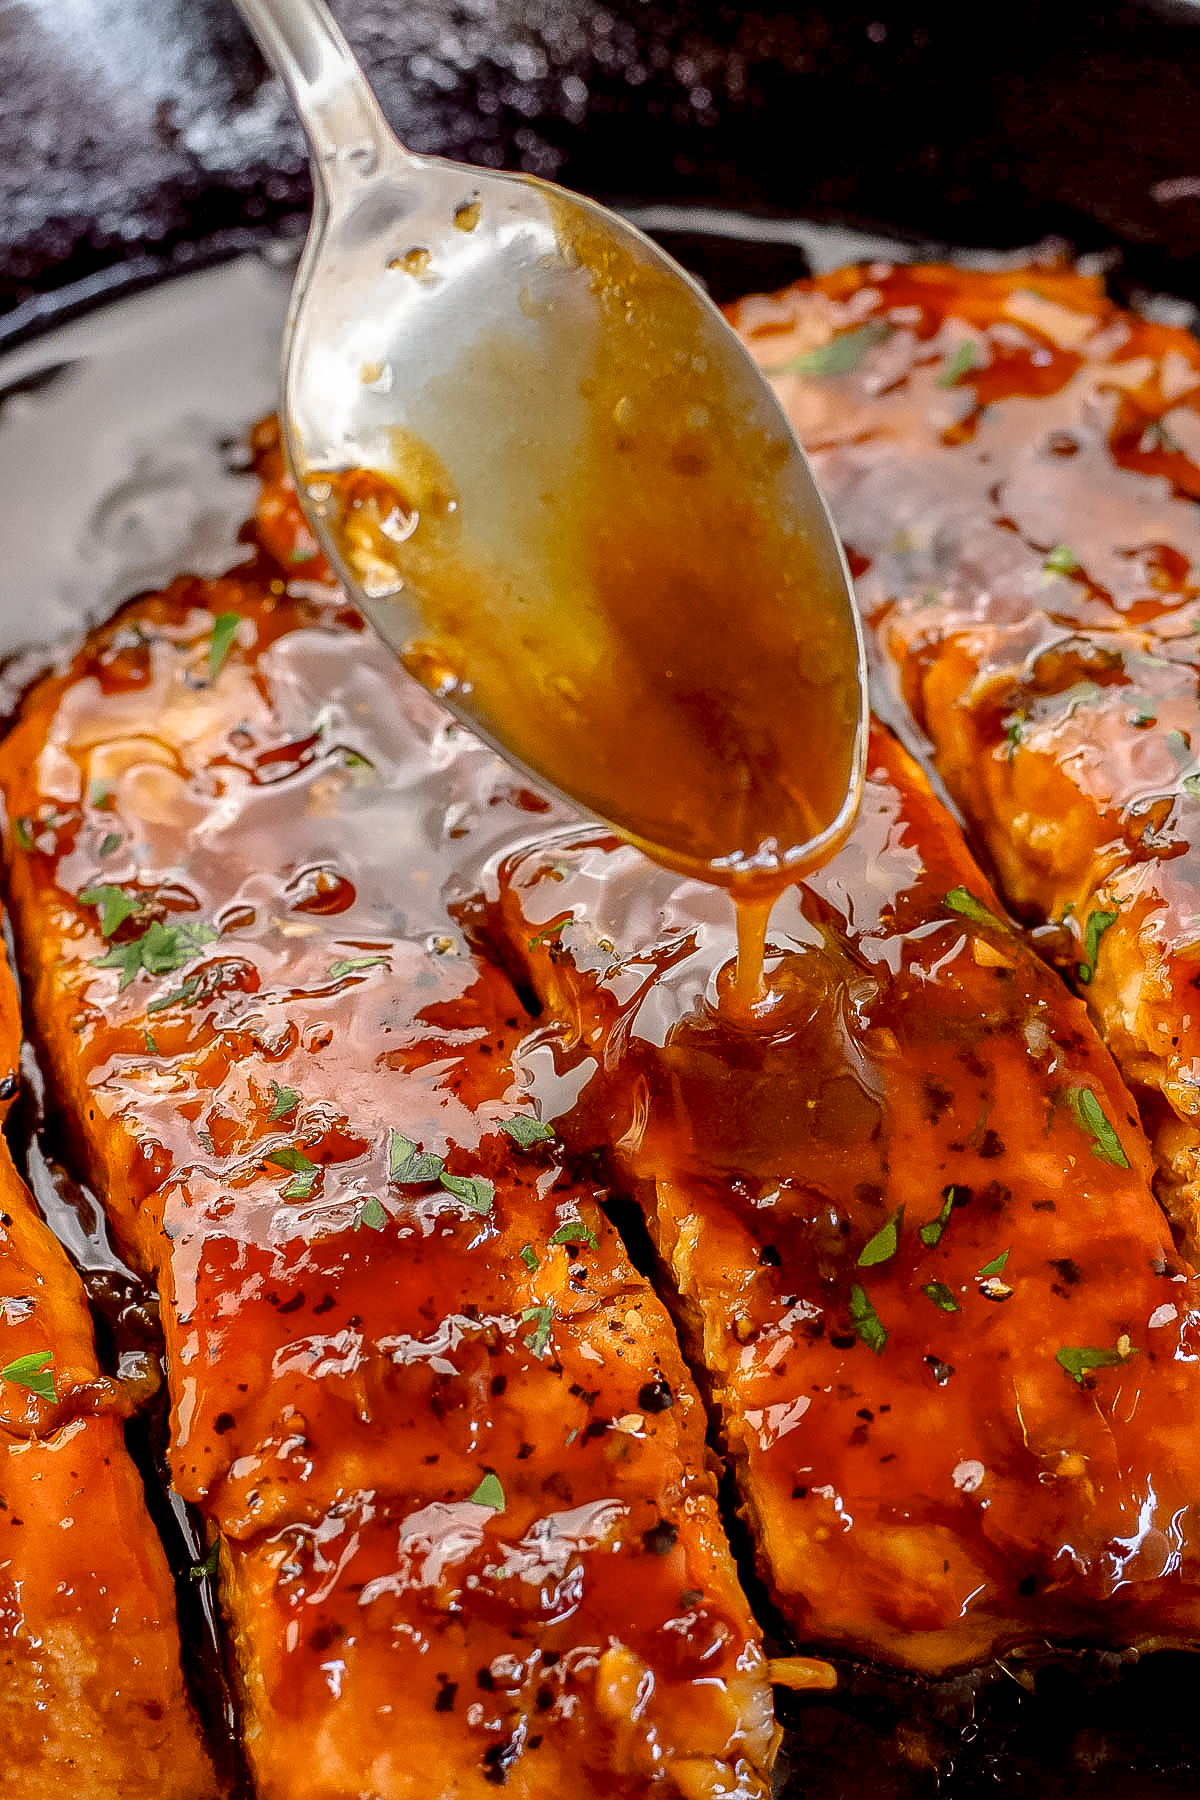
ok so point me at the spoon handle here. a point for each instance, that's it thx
(304, 44)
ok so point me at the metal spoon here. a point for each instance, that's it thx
(561, 490)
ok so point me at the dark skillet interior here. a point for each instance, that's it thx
(142, 139)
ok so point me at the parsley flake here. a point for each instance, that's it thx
(525, 1131)
(489, 1493)
(549, 931)
(962, 900)
(840, 355)
(371, 1214)
(1077, 1359)
(160, 950)
(866, 1321)
(996, 1266)
(151, 1043)
(113, 904)
(529, 1257)
(409, 1166)
(199, 1571)
(23, 833)
(1014, 731)
(348, 964)
(112, 840)
(34, 1372)
(475, 1191)
(1090, 1117)
(575, 1231)
(942, 1298)
(883, 1246)
(1062, 560)
(960, 364)
(224, 632)
(930, 1233)
(304, 1172)
(539, 1317)
(1098, 923)
(283, 1101)
(178, 996)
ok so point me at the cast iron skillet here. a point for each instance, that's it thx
(143, 140)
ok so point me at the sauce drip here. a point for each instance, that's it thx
(643, 603)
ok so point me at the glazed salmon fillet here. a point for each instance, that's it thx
(1014, 463)
(437, 1424)
(91, 1687)
(907, 1210)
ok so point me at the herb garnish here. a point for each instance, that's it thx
(866, 1321)
(348, 964)
(960, 363)
(371, 1214)
(23, 833)
(1191, 786)
(475, 1191)
(1090, 1117)
(34, 1372)
(962, 900)
(839, 356)
(930, 1233)
(489, 1493)
(151, 1043)
(539, 1317)
(1098, 923)
(942, 1298)
(113, 904)
(549, 931)
(529, 1257)
(304, 1172)
(209, 1566)
(1014, 731)
(159, 950)
(996, 1266)
(1062, 560)
(883, 1246)
(283, 1101)
(409, 1166)
(1077, 1359)
(224, 631)
(575, 1231)
(525, 1131)
(108, 843)
(177, 996)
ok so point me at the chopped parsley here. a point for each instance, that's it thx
(960, 364)
(540, 1318)
(283, 1101)
(475, 1191)
(409, 1166)
(160, 950)
(1098, 923)
(199, 1571)
(34, 1372)
(348, 964)
(224, 632)
(838, 357)
(930, 1233)
(549, 931)
(575, 1231)
(962, 900)
(883, 1246)
(113, 904)
(942, 1298)
(1077, 1359)
(151, 1043)
(23, 833)
(1062, 560)
(178, 996)
(529, 1257)
(489, 1493)
(525, 1131)
(1090, 1117)
(996, 1266)
(371, 1214)
(99, 793)
(1014, 731)
(866, 1321)
(111, 841)
(304, 1172)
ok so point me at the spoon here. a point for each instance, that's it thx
(560, 489)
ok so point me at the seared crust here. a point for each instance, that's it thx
(456, 1544)
(1014, 463)
(908, 1212)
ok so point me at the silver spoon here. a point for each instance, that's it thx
(561, 490)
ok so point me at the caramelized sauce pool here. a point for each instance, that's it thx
(664, 630)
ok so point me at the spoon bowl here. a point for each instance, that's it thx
(564, 494)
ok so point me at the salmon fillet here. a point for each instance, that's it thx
(436, 1421)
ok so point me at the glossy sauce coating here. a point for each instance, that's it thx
(640, 599)
(1014, 463)
(909, 1219)
(91, 1688)
(442, 1429)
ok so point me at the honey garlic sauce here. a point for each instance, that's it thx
(664, 633)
